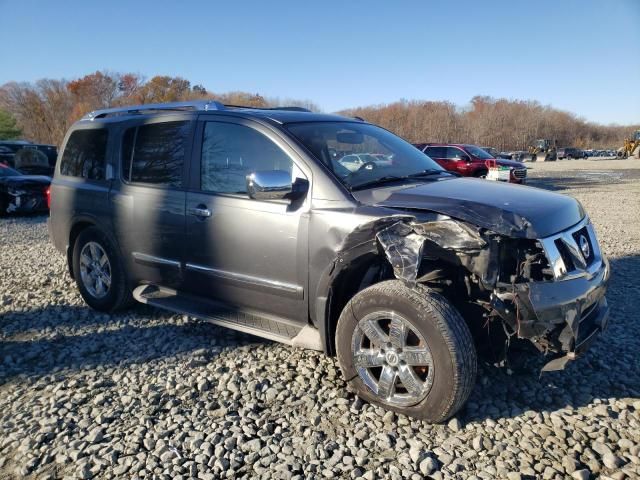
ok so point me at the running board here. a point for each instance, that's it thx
(260, 325)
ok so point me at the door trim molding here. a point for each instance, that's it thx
(145, 258)
(289, 288)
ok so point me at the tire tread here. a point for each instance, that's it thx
(449, 323)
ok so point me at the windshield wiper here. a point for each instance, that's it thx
(394, 178)
(378, 181)
(427, 173)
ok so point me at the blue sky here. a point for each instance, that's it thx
(581, 56)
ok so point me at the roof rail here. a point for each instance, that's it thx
(198, 105)
(291, 109)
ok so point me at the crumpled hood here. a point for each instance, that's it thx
(507, 209)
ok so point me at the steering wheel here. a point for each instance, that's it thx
(368, 166)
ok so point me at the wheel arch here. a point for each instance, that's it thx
(363, 271)
(78, 225)
(479, 172)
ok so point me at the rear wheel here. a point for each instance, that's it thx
(99, 272)
(480, 174)
(407, 350)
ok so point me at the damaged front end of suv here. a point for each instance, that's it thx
(549, 291)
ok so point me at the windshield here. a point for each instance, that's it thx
(359, 153)
(7, 171)
(477, 152)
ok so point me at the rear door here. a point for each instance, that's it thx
(149, 200)
(247, 253)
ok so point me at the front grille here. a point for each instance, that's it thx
(565, 254)
(520, 173)
(573, 252)
(584, 242)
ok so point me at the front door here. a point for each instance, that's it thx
(246, 253)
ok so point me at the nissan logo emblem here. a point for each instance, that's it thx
(584, 246)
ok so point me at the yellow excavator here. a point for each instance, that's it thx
(543, 150)
(631, 146)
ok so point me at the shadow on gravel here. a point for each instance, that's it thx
(557, 183)
(610, 369)
(77, 338)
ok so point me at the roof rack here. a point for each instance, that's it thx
(290, 109)
(197, 105)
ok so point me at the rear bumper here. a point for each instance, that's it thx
(563, 318)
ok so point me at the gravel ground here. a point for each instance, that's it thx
(147, 394)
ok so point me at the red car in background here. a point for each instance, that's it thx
(470, 161)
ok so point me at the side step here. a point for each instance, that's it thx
(273, 328)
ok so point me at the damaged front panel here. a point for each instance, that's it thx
(25, 201)
(508, 277)
(403, 243)
(403, 248)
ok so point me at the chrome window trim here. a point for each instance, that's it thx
(556, 263)
(143, 257)
(240, 277)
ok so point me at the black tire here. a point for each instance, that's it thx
(480, 173)
(445, 332)
(118, 295)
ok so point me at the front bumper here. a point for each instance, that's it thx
(563, 318)
(22, 201)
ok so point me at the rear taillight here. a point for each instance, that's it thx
(47, 193)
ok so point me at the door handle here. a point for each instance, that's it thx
(200, 211)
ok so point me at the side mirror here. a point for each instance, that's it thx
(269, 185)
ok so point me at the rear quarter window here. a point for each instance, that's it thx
(85, 153)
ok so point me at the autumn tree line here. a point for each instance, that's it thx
(44, 110)
(500, 123)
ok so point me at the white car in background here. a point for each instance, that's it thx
(355, 161)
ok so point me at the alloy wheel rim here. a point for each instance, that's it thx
(95, 269)
(392, 358)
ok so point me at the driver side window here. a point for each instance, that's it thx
(230, 152)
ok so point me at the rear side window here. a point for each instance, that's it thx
(435, 152)
(155, 153)
(84, 154)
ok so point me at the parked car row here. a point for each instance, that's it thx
(472, 161)
(601, 153)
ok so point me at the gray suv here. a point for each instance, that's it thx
(247, 218)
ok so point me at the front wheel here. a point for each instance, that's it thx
(99, 272)
(407, 350)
